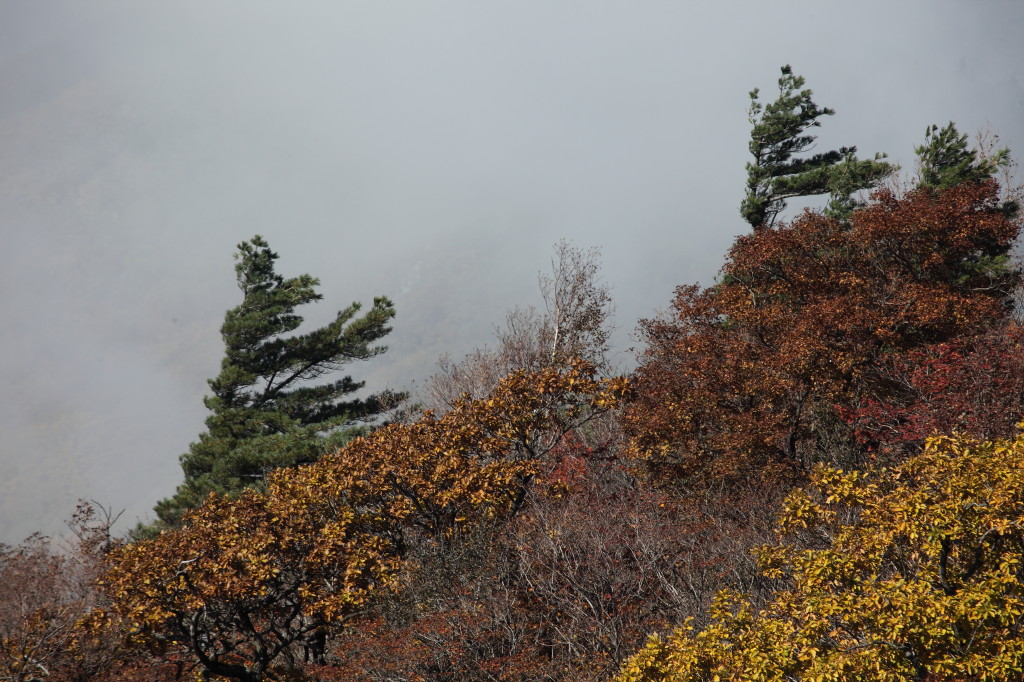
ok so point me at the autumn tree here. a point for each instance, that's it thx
(53, 622)
(970, 384)
(743, 376)
(251, 583)
(909, 575)
(780, 134)
(478, 460)
(566, 590)
(575, 322)
(460, 612)
(252, 586)
(266, 409)
(464, 611)
(34, 623)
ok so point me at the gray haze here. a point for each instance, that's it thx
(432, 151)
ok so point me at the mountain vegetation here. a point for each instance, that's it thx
(266, 412)
(815, 472)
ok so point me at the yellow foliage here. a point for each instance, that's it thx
(246, 578)
(924, 581)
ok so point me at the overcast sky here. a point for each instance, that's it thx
(431, 151)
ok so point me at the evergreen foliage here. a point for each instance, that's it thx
(945, 160)
(780, 132)
(266, 409)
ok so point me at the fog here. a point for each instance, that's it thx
(433, 152)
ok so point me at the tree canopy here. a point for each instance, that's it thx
(267, 411)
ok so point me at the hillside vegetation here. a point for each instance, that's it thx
(816, 471)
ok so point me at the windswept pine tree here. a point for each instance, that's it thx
(267, 411)
(780, 133)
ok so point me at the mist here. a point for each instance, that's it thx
(431, 152)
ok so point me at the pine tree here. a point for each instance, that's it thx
(780, 131)
(946, 160)
(266, 409)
